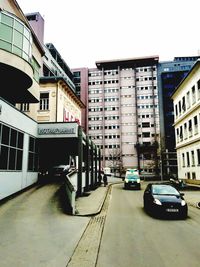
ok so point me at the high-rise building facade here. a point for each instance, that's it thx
(186, 99)
(170, 74)
(123, 115)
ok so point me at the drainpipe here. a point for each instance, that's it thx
(56, 118)
(80, 160)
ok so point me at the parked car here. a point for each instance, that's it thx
(55, 173)
(163, 199)
(132, 179)
(59, 171)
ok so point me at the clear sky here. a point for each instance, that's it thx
(86, 31)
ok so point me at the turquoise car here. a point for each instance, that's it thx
(132, 179)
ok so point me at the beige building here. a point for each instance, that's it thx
(58, 103)
(123, 113)
(186, 100)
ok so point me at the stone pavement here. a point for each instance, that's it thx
(92, 202)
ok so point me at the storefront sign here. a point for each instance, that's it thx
(56, 130)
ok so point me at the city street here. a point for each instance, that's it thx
(36, 232)
(133, 238)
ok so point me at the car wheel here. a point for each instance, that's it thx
(184, 215)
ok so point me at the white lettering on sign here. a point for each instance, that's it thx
(56, 131)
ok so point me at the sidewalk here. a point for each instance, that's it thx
(92, 202)
(192, 195)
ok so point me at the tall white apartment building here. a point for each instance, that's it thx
(187, 124)
(123, 113)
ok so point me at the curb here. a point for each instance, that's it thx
(101, 204)
(99, 208)
(194, 204)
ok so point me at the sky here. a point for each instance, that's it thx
(86, 31)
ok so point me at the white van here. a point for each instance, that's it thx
(107, 171)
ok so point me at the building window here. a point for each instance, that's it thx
(15, 37)
(198, 156)
(188, 159)
(179, 107)
(145, 124)
(190, 128)
(188, 100)
(44, 101)
(192, 158)
(36, 69)
(11, 148)
(25, 107)
(195, 125)
(33, 154)
(198, 87)
(183, 104)
(176, 110)
(193, 175)
(181, 133)
(177, 135)
(193, 95)
(183, 160)
(185, 130)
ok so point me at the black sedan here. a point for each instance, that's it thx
(164, 199)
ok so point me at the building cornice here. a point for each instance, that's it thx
(62, 82)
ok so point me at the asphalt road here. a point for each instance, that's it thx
(131, 238)
(34, 230)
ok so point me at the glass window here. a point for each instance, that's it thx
(26, 46)
(12, 159)
(26, 33)
(192, 158)
(18, 39)
(36, 68)
(7, 20)
(17, 51)
(5, 135)
(13, 138)
(5, 45)
(33, 155)
(6, 33)
(3, 157)
(183, 160)
(20, 140)
(19, 26)
(44, 101)
(19, 160)
(9, 138)
(15, 37)
(188, 159)
(198, 156)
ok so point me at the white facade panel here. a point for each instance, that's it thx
(12, 181)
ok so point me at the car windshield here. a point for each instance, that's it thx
(164, 190)
(132, 176)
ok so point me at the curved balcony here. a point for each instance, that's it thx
(15, 59)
